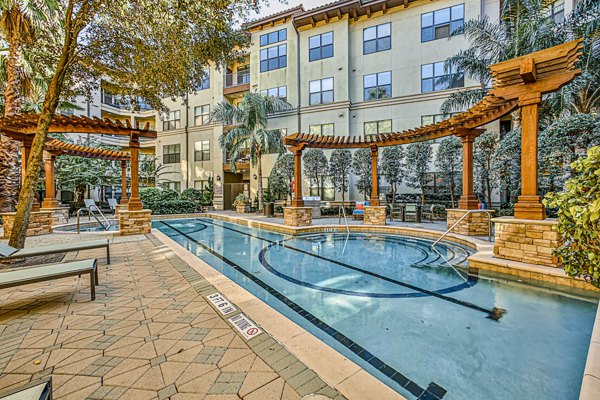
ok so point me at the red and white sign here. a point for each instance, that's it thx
(245, 326)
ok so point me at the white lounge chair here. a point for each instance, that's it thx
(7, 252)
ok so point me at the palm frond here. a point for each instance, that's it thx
(461, 100)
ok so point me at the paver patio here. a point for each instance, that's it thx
(150, 334)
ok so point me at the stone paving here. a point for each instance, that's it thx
(150, 334)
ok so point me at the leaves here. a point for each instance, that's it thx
(418, 158)
(448, 161)
(579, 219)
(315, 166)
(361, 167)
(340, 164)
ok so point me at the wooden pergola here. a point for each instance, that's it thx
(517, 83)
(23, 127)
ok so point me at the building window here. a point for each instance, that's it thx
(202, 115)
(320, 46)
(434, 78)
(434, 119)
(205, 84)
(273, 58)
(280, 92)
(202, 150)
(200, 185)
(378, 127)
(322, 129)
(558, 11)
(377, 38)
(442, 23)
(176, 186)
(273, 37)
(378, 86)
(171, 153)
(172, 121)
(321, 91)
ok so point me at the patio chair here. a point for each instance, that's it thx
(7, 252)
(429, 213)
(42, 273)
(411, 209)
(359, 210)
(39, 390)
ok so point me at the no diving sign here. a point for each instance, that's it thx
(245, 326)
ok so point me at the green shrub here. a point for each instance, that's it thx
(166, 201)
(193, 195)
(578, 211)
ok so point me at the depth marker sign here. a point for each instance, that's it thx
(221, 303)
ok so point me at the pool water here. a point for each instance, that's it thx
(89, 227)
(396, 308)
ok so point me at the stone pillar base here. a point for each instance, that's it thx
(40, 223)
(60, 215)
(119, 208)
(297, 216)
(374, 215)
(529, 241)
(134, 222)
(475, 224)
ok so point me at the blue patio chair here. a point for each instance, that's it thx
(359, 210)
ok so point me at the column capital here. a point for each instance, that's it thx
(374, 150)
(468, 134)
(530, 99)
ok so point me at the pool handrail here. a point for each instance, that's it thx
(469, 212)
(105, 225)
(343, 212)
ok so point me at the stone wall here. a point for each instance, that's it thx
(134, 222)
(40, 223)
(529, 241)
(297, 216)
(60, 215)
(119, 208)
(475, 224)
(374, 215)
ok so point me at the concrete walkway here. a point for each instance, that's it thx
(150, 334)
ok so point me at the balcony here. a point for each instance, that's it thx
(122, 103)
(236, 82)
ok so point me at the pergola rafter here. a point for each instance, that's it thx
(517, 83)
(23, 127)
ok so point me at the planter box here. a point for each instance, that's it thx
(243, 208)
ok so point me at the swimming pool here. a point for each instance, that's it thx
(393, 306)
(93, 226)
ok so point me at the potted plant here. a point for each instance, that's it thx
(242, 203)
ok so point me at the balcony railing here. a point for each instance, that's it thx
(236, 79)
(118, 102)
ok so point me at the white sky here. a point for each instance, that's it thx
(274, 6)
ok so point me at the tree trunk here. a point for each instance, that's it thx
(34, 165)
(422, 196)
(259, 173)
(13, 104)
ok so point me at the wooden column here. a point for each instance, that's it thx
(134, 201)
(529, 205)
(468, 200)
(50, 200)
(297, 201)
(374, 201)
(124, 182)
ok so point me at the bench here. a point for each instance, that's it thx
(7, 252)
(50, 272)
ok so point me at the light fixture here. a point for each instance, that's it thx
(218, 178)
(255, 177)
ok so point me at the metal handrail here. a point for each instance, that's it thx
(463, 217)
(105, 225)
(343, 209)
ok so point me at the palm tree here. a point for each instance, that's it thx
(250, 133)
(526, 26)
(18, 22)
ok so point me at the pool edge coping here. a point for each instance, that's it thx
(354, 382)
(590, 385)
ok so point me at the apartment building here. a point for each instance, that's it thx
(348, 68)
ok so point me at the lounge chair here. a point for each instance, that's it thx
(112, 203)
(50, 272)
(39, 390)
(359, 210)
(7, 252)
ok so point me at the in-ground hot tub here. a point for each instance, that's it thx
(88, 227)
